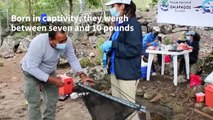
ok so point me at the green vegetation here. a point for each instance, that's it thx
(100, 53)
(1, 63)
(85, 62)
(20, 35)
(167, 40)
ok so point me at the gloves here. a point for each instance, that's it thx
(155, 43)
(105, 60)
(106, 46)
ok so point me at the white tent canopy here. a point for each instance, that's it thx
(186, 12)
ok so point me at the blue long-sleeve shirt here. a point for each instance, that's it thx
(41, 58)
(148, 38)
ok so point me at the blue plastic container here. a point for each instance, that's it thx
(143, 70)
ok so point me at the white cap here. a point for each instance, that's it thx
(191, 33)
(111, 2)
(156, 29)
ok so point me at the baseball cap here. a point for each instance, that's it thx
(111, 2)
(156, 29)
(191, 33)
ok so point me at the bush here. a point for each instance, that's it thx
(100, 53)
(85, 62)
(21, 35)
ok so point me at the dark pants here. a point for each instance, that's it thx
(182, 66)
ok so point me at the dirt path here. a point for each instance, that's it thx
(12, 102)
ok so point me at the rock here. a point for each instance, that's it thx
(192, 91)
(166, 99)
(14, 79)
(23, 45)
(93, 41)
(139, 92)
(2, 96)
(92, 54)
(199, 105)
(172, 94)
(139, 14)
(156, 98)
(179, 29)
(208, 110)
(16, 92)
(62, 61)
(182, 79)
(178, 109)
(178, 117)
(166, 28)
(151, 25)
(7, 47)
(149, 95)
(99, 75)
(3, 85)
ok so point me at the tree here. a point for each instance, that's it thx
(30, 12)
(71, 6)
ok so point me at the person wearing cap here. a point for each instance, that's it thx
(39, 66)
(192, 39)
(150, 39)
(124, 51)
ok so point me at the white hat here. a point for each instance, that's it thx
(111, 2)
(156, 29)
(191, 33)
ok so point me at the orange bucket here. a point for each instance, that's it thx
(68, 85)
(200, 97)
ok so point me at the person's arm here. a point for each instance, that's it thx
(131, 47)
(72, 59)
(75, 64)
(35, 53)
(34, 59)
(145, 40)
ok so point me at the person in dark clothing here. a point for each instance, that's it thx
(192, 39)
(124, 50)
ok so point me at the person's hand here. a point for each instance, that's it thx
(56, 81)
(86, 80)
(106, 46)
(156, 41)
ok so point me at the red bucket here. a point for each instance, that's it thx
(200, 97)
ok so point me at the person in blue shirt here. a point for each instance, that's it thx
(151, 39)
(192, 39)
(124, 51)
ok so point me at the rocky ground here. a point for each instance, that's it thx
(13, 105)
(159, 95)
